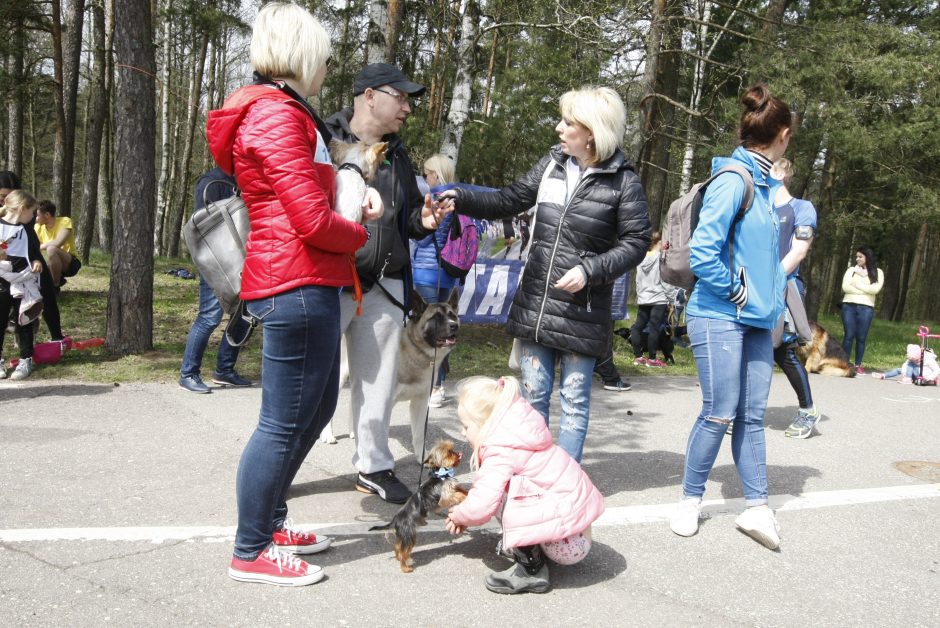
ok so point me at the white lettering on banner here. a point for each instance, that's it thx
(494, 299)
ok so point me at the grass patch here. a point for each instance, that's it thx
(483, 349)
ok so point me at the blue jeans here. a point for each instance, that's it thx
(856, 321)
(299, 389)
(433, 294)
(208, 318)
(735, 363)
(537, 363)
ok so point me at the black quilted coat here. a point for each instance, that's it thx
(604, 228)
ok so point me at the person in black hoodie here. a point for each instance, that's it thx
(591, 226)
(382, 104)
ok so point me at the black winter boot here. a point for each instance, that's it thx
(528, 575)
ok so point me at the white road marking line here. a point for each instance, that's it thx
(616, 516)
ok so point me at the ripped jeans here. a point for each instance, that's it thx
(735, 363)
(537, 363)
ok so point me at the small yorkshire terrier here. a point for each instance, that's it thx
(357, 164)
(438, 492)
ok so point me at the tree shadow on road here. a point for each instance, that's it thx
(8, 393)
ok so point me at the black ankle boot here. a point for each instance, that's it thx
(528, 575)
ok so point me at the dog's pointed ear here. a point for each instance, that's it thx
(454, 299)
(378, 150)
(418, 304)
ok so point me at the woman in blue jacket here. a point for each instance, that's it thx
(734, 306)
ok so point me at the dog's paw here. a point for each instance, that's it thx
(326, 436)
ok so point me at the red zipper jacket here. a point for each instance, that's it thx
(270, 143)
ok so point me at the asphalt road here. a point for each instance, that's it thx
(117, 507)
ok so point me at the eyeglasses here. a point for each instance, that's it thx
(402, 99)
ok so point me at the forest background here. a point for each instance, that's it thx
(105, 104)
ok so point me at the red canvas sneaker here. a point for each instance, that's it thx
(272, 566)
(295, 541)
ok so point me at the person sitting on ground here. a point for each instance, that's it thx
(17, 210)
(550, 502)
(653, 296)
(212, 186)
(57, 243)
(910, 370)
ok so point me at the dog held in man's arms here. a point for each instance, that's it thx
(429, 335)
(824, 355)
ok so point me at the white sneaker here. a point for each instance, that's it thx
(759, 523)
(23, 370)
(437, 397)
(3, 369)
(684, 520)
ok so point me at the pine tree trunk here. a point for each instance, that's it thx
(655, 156)
(15, 98)
(393, 31)
(463, 82)
(97, 108)
(130, 299)
(67, 41)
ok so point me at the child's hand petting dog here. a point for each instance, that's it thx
(453, 527)
(372, 205)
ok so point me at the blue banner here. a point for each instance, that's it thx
(491, 285)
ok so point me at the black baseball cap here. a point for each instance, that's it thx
(379, 74)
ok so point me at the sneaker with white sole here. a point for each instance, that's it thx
(3, 369)
(273, 566)
(653, 363)
(290, 539)
(684, 519)
(804, 424)
(617, 385)
(436, 399)
(759, 523)
(23, 370)
(639, 361)
(385, 485)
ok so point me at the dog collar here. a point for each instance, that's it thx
(353, 167)
(444, 472)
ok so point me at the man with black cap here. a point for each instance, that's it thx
(382, 104)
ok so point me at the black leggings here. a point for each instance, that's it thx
(654, 316)
(786, 359)
(24, 333)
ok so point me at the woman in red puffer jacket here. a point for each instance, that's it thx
(299, 253)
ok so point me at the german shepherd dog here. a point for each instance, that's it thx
(440, 491)
(824, 355)
(428, 336)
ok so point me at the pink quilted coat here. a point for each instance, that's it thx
(547, 495)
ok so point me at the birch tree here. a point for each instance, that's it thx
(463, 80)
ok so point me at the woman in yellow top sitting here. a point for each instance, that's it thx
(860, 284)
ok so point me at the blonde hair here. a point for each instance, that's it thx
(15, 202)
(485, 398)
(782, 170)
(600, 110)
(288, 42)
(442, 166)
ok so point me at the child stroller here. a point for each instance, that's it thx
(924, 334)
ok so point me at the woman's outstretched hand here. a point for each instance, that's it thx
(453, 527)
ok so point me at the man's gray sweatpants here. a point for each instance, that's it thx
(372, 351)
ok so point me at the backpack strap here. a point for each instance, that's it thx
(746, 202)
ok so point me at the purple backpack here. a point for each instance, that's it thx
(461, 243)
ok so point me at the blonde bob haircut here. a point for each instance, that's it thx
(288, 42)
(15, 202)
(600, 110)
(782, 170)
(442, 166)
(483, 399)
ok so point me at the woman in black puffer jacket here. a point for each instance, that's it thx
(591, 226)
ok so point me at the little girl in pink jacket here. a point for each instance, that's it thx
(548, 502)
